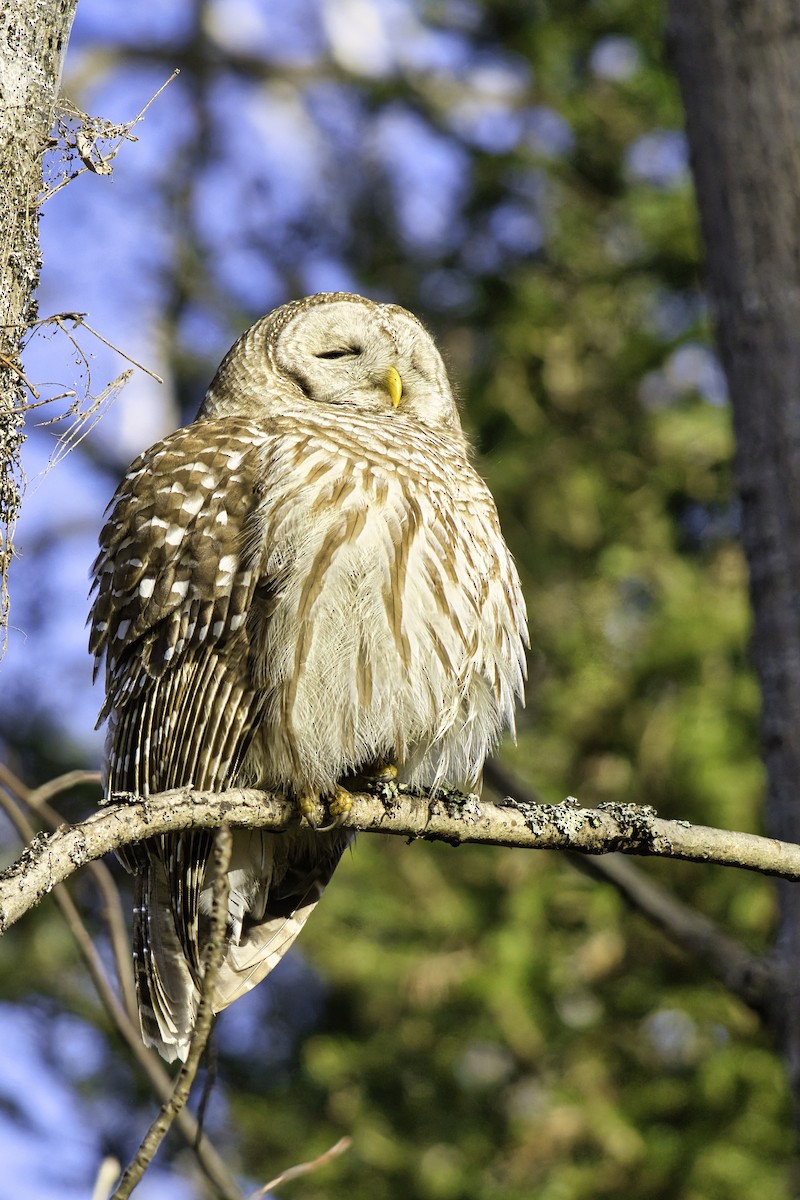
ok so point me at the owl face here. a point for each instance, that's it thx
(339, 351)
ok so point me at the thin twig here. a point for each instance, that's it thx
(152, 100)
(81, 426)
(213, 954)
(212, 1163)
(35, 797)
(121, 353)
(5, 361)
(304, 1168)
(36, 800)
(112, 153)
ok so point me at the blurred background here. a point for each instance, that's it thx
(485, 1023)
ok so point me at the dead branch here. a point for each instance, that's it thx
(213, 954)
(749, 976)
(212, 1163)
(448, 817)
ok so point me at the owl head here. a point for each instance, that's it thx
(338, 350)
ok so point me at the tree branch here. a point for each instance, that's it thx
(213, 954)
(37, 800)
(126, 1023)
(449, 817)
(751, 977)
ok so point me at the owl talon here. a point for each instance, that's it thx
(340, 804)
(382, 772)
(338, 807)
(308, 804)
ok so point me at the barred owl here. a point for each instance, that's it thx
(306, 586)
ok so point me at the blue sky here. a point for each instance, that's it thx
(282, 153)
(271, 208)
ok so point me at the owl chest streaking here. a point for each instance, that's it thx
(306, 585)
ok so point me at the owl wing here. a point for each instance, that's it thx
(175, 580)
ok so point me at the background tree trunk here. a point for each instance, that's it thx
(33, 41)
(738, 63)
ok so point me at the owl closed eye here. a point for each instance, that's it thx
(304, 590)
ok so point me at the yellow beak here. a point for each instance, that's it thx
(394, 385)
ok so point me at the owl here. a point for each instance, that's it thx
(305, 589)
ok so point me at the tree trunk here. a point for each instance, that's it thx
(738, 63)
(33, 40)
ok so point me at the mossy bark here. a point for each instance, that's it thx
(33, 41)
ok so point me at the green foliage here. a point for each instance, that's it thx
(499, 1027)
(494, 1025)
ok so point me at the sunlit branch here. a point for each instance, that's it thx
(213, 954)
(210, 1161)
(449, 817)
(749, 976)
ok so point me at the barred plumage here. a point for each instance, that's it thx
(306, 583)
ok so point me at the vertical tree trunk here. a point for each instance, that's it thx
(738, 63)
(33, 40)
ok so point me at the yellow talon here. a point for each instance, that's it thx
(308, 807)
(341, 803)
(382, 772)
(338, 806)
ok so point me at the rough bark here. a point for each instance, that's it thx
(451, 817)
(33, 40)
(738, 64)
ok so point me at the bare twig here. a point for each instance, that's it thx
(212, 1164)
(213, 954)
(304, 1168)
(5, 361)
(36, 800)
(76, 320)
(37, 797)
(117, 350)
(79, 318)
(82, 426)
(83, 142)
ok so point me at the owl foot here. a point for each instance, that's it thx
(338, 806)
(371, 776)
(381, 772)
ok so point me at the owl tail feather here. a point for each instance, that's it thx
(167, 988)
(261, 949)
